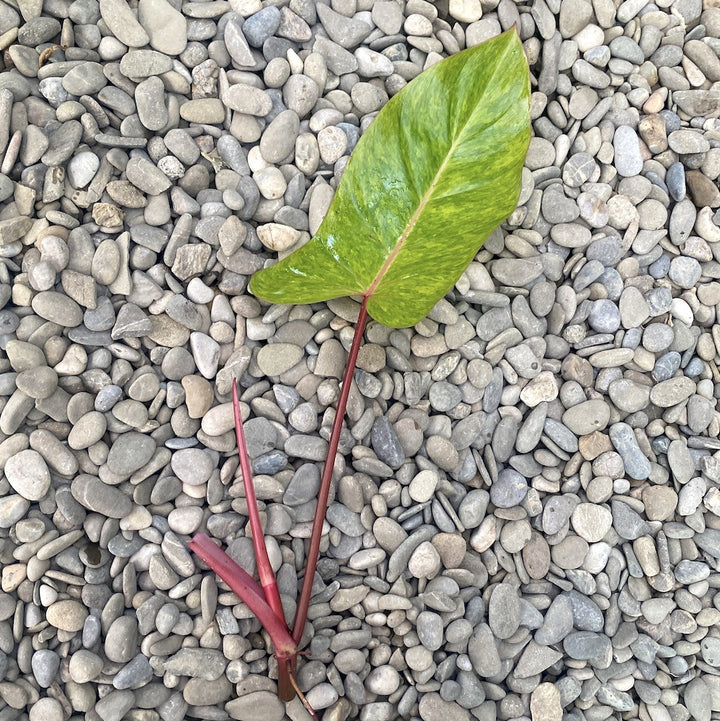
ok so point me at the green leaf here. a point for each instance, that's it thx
(433, 175)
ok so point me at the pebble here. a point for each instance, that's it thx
(504, 611)
(123, 23)
(256, 706)
(628, 159)
(345, 31)
(45, 666)
(685, 272)
(670, 392)
(509, 490)
(591, 521)
(84, 666)
(96, 496)
(68, 615)
(278, 139)
(587, 417)
(131, 451)
(165, 26)
(28, 474)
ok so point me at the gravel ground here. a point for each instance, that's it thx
(526, 521)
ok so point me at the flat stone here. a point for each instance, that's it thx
(123, 24)
(13, 508)
(135, 674)
(99, 497)
(586, 645)
(504, 611)
(82, 169)
(278, 139)
(686, 142)
(150, 102)
(628, 160)
(68, 615)
(587, 417)
(199, 692)
(483, 652)
(509, 490)
(275, 359)
(672, 391)
(165, 26)
(192, 466)
(432, 707)
(591, 521)
(685, 272)
(57, 308)
(45, 666)
(627, 522)
(422, 487)
(85, 79)
(637, 466)
(262, 25)
(247, 99)
(256, 706)
(205, 663)
(517, 272)
(146, 176)
(697, 699)
(129, 452)
(346, 32)
(84, 666)
(237, 44)
(386, 444)
(28, 474)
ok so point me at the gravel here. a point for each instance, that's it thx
(525, 517)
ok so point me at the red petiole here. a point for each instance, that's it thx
(264, 599)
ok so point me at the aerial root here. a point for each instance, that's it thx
(302, 698)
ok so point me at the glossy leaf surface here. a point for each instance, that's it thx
(430, 179)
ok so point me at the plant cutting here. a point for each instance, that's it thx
(431, 178)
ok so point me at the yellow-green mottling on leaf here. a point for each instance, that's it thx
(434, 174)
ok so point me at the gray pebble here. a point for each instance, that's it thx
(45, 666)
(628, 160)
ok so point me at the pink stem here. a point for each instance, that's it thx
(264, 568)
(244, 585)
(326, 480)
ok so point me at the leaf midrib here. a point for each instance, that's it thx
(408, 228)
(421, 205)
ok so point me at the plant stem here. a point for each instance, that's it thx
(326, 479)
(245, 586)
(264, 568)
(286, 666)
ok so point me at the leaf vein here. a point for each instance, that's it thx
(428, 195)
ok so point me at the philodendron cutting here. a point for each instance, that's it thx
(433, 175)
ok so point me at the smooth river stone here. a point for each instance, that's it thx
(68, 615)
(166, 26)
(88, 429)
(122, 23)
(504, 611)
(28, 474)
(587, 417)
(100, 497)
(628, 158)
(129, 452)
(57, 308)
(276, 358)
(672, 391)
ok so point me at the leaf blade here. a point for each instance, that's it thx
(413, 180)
